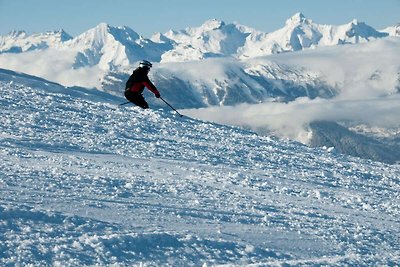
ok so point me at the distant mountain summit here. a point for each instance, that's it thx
(110, 47)
(301, 33)
(214, 38)
(20, 41)
(393, 30)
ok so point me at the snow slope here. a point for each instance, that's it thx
(85, 182)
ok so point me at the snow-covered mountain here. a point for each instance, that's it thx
(212, 39)
(219, 82)
(120, 46)
(84, 182)
(20, 41)
(344, 141)
(110, 47)
(215, 39)
(393, 30)
(300, 33)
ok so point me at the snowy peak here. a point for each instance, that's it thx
(104, 33)
(61, 35)
(297, 34)
(361, 31)
(212, 24)
(57, 35)
(393, 30)
(352, 32)
(20, 41)
(95, 36)
(296, 19)
(17, 34)
(301, 33)
(109, 46)
(214, 38)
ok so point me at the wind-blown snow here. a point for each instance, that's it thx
(86, 182)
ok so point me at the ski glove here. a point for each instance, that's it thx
(157, 95)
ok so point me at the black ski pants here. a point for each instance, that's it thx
(136, 98)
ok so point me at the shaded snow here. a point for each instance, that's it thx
(347, 142)
(85, 182)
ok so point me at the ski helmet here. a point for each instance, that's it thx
(145, 64)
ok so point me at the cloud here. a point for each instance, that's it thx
(53, 65)
(290, 120)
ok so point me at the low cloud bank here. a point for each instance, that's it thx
(290, 120)
(53, 65)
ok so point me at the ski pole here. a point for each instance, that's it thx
(171, 106)
(125, 103)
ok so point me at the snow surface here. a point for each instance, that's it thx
(86, 182)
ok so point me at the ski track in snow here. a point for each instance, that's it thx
(85, 182)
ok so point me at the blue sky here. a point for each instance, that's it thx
(149, 16)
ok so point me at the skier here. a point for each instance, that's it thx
(136, 83)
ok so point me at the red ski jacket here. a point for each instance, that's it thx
(138, 80)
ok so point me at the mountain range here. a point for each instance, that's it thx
(116, 46)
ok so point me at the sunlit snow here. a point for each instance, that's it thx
(86, 182)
